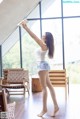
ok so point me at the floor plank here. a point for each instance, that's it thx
(29, 107)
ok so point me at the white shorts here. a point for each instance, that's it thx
(43, 65)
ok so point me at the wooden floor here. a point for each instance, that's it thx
(29, 107)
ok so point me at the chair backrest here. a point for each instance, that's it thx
(17, 76)
(3, 101)
(58, 77)
(5, 71)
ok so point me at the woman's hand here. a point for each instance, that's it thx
(23, 23)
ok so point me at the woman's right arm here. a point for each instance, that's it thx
(40, 42)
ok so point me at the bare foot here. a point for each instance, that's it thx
(56, 109)
(42, 113)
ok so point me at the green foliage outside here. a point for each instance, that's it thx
(12, 57)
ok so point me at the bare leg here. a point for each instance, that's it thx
(42, 75)
(52, 92)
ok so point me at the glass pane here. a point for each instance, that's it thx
(29, 47)
(10, 41)
(54, 26)
(11, 51)
(72, 48)
(12, 58)
(34, 13)
(51, 8)
(71, 7)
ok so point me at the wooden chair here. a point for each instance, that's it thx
(16, 79)
(3, 101)
(7, 110)
(58, 78)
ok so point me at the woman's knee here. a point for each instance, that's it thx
(44, 88)
(48, 83)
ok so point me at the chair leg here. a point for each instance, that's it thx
(65, 92)
(24, 91)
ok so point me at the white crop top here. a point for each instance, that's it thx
(41, 54)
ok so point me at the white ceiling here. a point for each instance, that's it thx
(11, 13)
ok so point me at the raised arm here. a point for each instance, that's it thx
(39, 41)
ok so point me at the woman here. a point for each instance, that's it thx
(46, 45)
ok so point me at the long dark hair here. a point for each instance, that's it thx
(50, 44)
